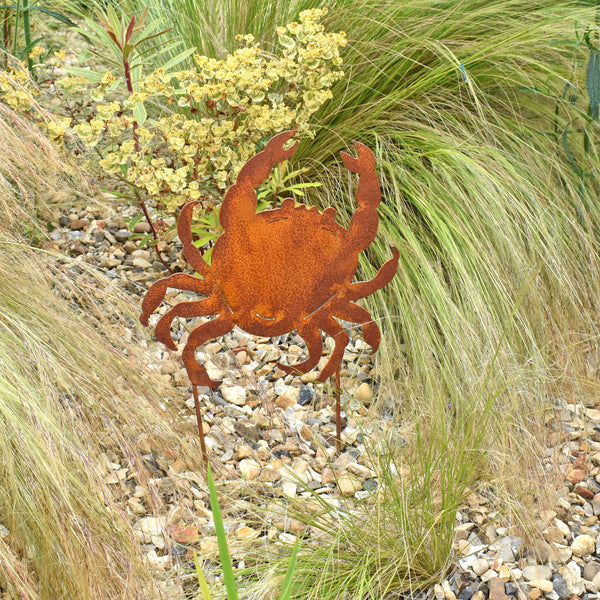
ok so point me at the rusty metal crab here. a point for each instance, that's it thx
(278, 270)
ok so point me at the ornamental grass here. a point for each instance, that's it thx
(71, 396)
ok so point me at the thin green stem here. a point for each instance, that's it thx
(17, 15)
(27, 32)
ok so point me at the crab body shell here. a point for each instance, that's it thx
(278, 270)
(271, 286)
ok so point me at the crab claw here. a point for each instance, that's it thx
(363, 163)
(274, 148)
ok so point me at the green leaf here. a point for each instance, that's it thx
(206, 595)
(116, 23)
(101, 37)
(127, 50)
(149, 55)
(178, 58)
(25, 52)
(286, 41)
(207, 237)
(226, 565)
(207, 256)
(286, 588)
(139, 112)
(592, 82)
(91, 76)
(144, 240)
(133, 222)
(50, 13)
(151, 36)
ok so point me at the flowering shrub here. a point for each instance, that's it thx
(205, 122)
(214, 116)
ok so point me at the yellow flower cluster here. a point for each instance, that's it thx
(17, 90)
(217, 115)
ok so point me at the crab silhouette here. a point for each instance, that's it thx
(279, 270)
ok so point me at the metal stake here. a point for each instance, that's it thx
(199, 422)
(338, 410)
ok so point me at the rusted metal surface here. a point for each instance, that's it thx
(279, 270)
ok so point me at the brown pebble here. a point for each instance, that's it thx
(584, 492)
(245, 533)
(534, 594)
(349, 485)
(328, 476)
(184, 535)
(285, 402)
(306, 432)
(496, 586)
(576, 476)
(268, 475)
(142, 227)
(78, 224)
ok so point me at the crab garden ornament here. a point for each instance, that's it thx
(279, 270)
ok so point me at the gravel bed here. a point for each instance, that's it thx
(276, 433)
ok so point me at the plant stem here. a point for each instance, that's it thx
(17, 14)
(152, 229)
(5, 33)
(27, 32)
(136, 138)
(129, 82)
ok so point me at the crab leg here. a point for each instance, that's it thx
(240, 201)
(361, 289)
(357, 314)
(331, 327)
(179, 281)
(187, 310)
(363, 226)
(314, 345)
(213, 329)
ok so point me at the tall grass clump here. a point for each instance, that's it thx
(397, 538)
(71, 391)
(463, 102)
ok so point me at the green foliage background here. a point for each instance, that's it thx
(489, 190)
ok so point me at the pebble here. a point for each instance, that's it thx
(583, 545)
(151, 525)
(559, 585)
(364, 394)
(542, 584)
(590, 570)
(536, 572)
(576, 476)
(285, 402)
(480, 566)
(235, 394)
(289, 489)
(249, 468)
(349, 485)
(573, 581)
(496, 588)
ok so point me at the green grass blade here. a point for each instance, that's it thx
(206, 595)
(226, 565)
(286, 587)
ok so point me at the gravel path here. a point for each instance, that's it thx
(272, 431)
